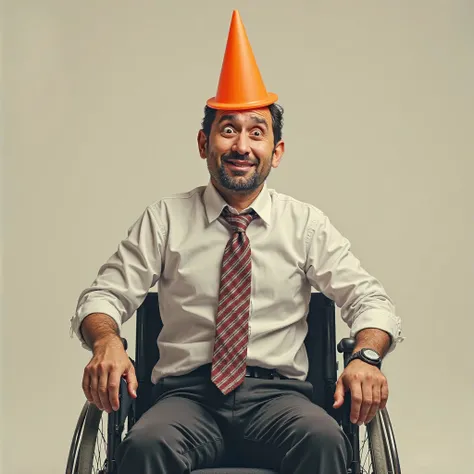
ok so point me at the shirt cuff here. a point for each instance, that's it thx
(89, 308)
(383, 320)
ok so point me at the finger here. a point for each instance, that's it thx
(384, 395)
(104, 390)
(86, 385)
(132, 383)
(339, 394)
(94, 385)
(356, 400)
(376, 398)
(367, 392)
(113, 387)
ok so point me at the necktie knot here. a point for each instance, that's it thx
(238, 222)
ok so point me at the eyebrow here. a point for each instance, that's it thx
(254, 118)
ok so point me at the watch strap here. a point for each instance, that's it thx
(360, 355)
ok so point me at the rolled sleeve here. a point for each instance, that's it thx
(332, 269)
(385, 321)
(96, 303)
(123, 282)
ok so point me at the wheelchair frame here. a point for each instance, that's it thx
(323, 367)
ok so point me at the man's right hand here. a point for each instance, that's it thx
(101, 381)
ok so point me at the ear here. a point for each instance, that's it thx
(202, 144)
(278, 153)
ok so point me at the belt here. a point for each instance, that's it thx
(252, 372)
(262, 373)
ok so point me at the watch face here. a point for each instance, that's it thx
(372, 355)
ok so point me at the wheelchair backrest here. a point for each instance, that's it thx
(320, 345)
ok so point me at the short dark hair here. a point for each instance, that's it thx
(276, 112)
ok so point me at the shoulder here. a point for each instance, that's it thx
(308, 221)
(182, 202)
(182, 205)
(285, 204)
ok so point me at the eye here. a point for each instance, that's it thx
(228, 129)
(257, 133)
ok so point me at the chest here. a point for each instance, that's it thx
(193, 261)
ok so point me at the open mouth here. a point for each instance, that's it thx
(239, 165)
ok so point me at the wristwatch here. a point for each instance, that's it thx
(367, 355)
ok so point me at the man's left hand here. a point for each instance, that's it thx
(368, 388)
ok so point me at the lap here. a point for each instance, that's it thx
(290, 415)
(192, 426)
(281, 421)
(184, 426)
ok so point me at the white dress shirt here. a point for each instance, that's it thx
(178, 245)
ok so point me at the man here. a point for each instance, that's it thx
(234, 263)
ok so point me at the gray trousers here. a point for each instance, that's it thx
(266, 423)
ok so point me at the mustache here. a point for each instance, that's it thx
(238, 157)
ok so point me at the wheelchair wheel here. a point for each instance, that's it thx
(88, 452)
(378, 450)
(71, 466)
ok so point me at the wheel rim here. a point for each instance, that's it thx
(390, 444)
(378, 443)
(93, 453)
(71, 466)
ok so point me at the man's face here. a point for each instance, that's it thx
(240, 149)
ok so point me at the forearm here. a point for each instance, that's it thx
(375, 339)
(98, 327)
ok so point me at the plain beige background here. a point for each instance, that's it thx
(103, 100)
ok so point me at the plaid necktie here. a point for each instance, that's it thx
(230, 347)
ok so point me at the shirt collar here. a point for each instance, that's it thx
(214, 203)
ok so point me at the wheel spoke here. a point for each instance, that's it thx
(365, 459)
(102, 444)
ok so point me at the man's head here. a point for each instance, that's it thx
(241, 146)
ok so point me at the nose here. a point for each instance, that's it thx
(241, 145)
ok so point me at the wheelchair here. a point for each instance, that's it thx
(97, 435)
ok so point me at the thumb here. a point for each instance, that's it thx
(132, 382)
(339, 394)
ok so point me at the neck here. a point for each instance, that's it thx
(238, 200)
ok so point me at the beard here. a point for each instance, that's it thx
(238, 181)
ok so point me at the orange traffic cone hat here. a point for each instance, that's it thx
(240, 84)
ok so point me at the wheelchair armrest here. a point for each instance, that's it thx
(115, 425)
(125, 401)
(125, 343)
(346, 345)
